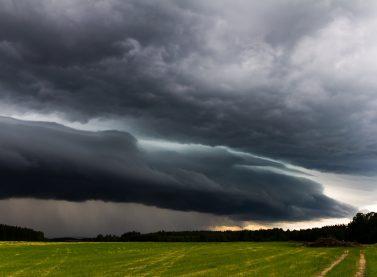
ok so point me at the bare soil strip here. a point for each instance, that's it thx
(362, 263)
(335, 263)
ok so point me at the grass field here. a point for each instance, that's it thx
(172, 259)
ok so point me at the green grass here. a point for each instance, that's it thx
(349, 266)
(371, 257)
(172, 259)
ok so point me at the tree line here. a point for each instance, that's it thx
(362, 229)
(14, 233)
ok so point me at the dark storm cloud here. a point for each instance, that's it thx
(50, 161)
(285, 79)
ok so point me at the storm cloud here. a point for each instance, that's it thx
(236, 110)
(289, 80)
(50, 161)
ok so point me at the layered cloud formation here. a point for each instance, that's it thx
(288, 80)
(50, 161)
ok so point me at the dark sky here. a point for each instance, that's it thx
(235, 109)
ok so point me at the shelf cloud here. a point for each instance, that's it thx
(247, 87)
(50, 161)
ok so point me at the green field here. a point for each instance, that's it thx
(172, 259)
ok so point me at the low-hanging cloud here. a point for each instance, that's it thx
(50, 161)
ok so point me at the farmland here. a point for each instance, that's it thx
(172, 259)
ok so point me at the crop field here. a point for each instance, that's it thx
(190, 259)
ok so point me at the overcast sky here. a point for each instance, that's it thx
(198, 114)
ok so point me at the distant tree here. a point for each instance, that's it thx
(363, 228)
(14, 233)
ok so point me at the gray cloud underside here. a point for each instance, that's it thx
(50, 161)
(285, 79)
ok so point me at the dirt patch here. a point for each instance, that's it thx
(362, 263)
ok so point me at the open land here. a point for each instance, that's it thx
(189, 259)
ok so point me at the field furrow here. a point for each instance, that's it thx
(184, 259)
